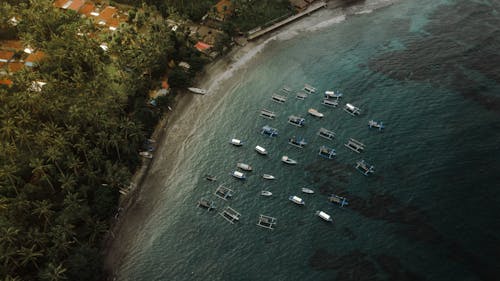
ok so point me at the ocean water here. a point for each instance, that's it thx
(430, 71)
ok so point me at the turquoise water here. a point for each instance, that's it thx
(430, 212)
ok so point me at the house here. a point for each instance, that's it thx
(34, 58)
(299, 4)
(106, 15)
(76, 5)
(6, 56)
(202, 47)
(5, 82)
(63, 4)
(222, 10)
(88, 9)
(15, 66)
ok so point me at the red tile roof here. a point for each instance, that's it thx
(86, 9)
(60, 3)
(6, 55)
(15, 66)
(35, 57)
(11, 45)
(107, 14)
(200, 46)
(76, 5)
(5, 81)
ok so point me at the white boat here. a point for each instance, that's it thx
(325, 133)
(267, 222)
(210, 177)
(197, 90)
(375, 124)
(207, 204)
(301, 96)
(236, 142)
(297, 200)
(268, 177)
(269, 131)
(146, 154)
(355, 145)
(310, 89)
(244, 166)
(324, 216)
(238, 175)
(266, 193)
(332, 94)
(261, 150)
(278, 98)
(327, 152)
(351, 109)
(330, 103)
(296, 120)
(288, 160)
(364, 167)
(297, 142)
(268, 114)
(315, 113)
(307, 190)
(230, 214)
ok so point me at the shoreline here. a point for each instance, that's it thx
(136, 206)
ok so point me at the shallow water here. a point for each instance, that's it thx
(430, 211)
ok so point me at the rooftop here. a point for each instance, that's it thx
(6, 56)
(76, 5)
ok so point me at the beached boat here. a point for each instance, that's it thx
(244, 166)
(307, 190)
(146, 154)
(278, 98)
(375, 124)
(351, 109)
(365, 168)
(288, 160)
(261, 150)
(236, 142)
(342, 201)
(230, 214)
(266, 193)
(207, 204)
(325, 133)
(238, 175)
(296, 120)
(269, 131)
(301, 96)
(297, 142)
(355, 145)
(267, 222)
(223, 192)
(326, 152)
(268, 177)
(268, 114)
(197, 90)
(330, 103)
(324, 216)
(310, 89)
(315, 113)
(210, 177)
(333, 94)
(297, 200)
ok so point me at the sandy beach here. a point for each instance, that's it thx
(174, 131)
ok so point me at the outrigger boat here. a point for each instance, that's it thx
(197, 90)
(324, 216)
(355, 145)
(332, 94)
(297, 200)
(307, 190)
(351, 109)
(296, 120)
(375, 124)
(270, 131)
(342, 201)
(315, 113)
(146, 154)
(365, 168)
(244, 167)
(210, 177)
(297, 142)
(288, 160)
(223, 192)
(301, 96)
(238, 175)
(266, 193)
(230, 214)
(268, 177)
(310, 89)
(330, 103)
(261, 150)
(236, 142)
(286, 90)
(278, 98)
(266, 222)
(326, 152)
(267, 114)
(207, 204)
(325, 133)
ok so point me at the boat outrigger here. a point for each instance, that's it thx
(266, 222)
(355, 145)
(330, 103)
(365, 168)
(286, 90)
(261, 150)
(296, 120)
(244, 167)
(342, 201)
(351, 109)
(278, 98)
(269, 131)
(288, 160)
(301, 96)
(375, 124)
(324, 216)
(268, 177)
(325, 133)
(197, 90)
(236, 142)
(333, 94)
(326, 152)
(207, 204)
(223, 192)
(307, 190)
(297, 200)
(310, 89)
(268, 114)
(315, 113)
(230, 214)
(297, 142)
(238, 175)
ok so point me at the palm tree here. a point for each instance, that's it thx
(39, 169)
(68, 182)
(29, 255)
(9, 235)
(43, 209)
(8, 174)
(53, 272)
(8, 129)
